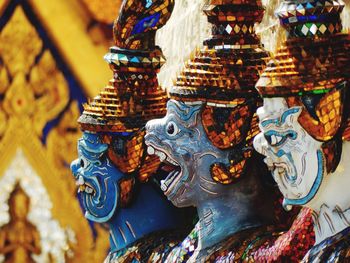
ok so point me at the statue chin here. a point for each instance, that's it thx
(97, 179)
(101, 212)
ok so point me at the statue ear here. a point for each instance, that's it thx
(126, 152)
(332, 151)
(228, 174)
(228, 127)
(321, 117)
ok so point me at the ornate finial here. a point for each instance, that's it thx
(226, 70)
(133, 96)
(311, 18)
(223, 75)
(138, 22)
(233, 21)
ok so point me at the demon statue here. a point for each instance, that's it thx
(113, 170)
(207, 135)
(304, 122)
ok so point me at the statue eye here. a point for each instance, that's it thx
(172, 129)
(83, 162)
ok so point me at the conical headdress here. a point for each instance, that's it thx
(312, 70)
(133, 96)
(223, 75)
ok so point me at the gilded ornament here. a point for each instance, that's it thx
(19, 238)
(105, 11)
(34, 92)
(19, 44)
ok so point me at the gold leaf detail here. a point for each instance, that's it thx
(52, 92)
(19, 43)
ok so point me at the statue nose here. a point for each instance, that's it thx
(260, 143)
(150, 125)
(74, 166)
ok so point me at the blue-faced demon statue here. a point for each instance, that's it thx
(113, 171)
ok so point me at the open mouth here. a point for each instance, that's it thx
(169, 165)
(276, 139)
(84, 186)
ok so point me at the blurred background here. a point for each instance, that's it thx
(51, 62)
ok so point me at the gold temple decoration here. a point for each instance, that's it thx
(103, 11)
(66, 23)
(33, 92)
(19, 239)
(61, 141)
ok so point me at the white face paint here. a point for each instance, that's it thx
(294, 157)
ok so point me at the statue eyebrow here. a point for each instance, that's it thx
(86, 152)
(281, 120)
(185, 113)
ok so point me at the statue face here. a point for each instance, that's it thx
(180, 141)
(97, 178)
(294, 157)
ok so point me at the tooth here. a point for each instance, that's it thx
(171, 174)
(88, 190)
(162, 156)
(150, 150)
(273, 140)
(163, 185)
(279, 138)
(170, 161)
(280, 171)
(81, 180)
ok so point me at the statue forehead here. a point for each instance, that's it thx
(184, 110)
(272, 108)
(91, 144)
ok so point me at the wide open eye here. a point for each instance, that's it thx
(172, 129)
(276, 139)
(84, 163)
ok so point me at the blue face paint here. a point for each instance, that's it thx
(98, 178)
(281, 120)
(314, 189)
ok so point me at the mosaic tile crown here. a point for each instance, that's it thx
(224, 72)
(311, 18)
(133, 96)
(314, 59)
(312, 68)
(223, 76)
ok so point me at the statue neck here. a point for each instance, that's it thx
(148, 213)
(231, 213)
(331, 206)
